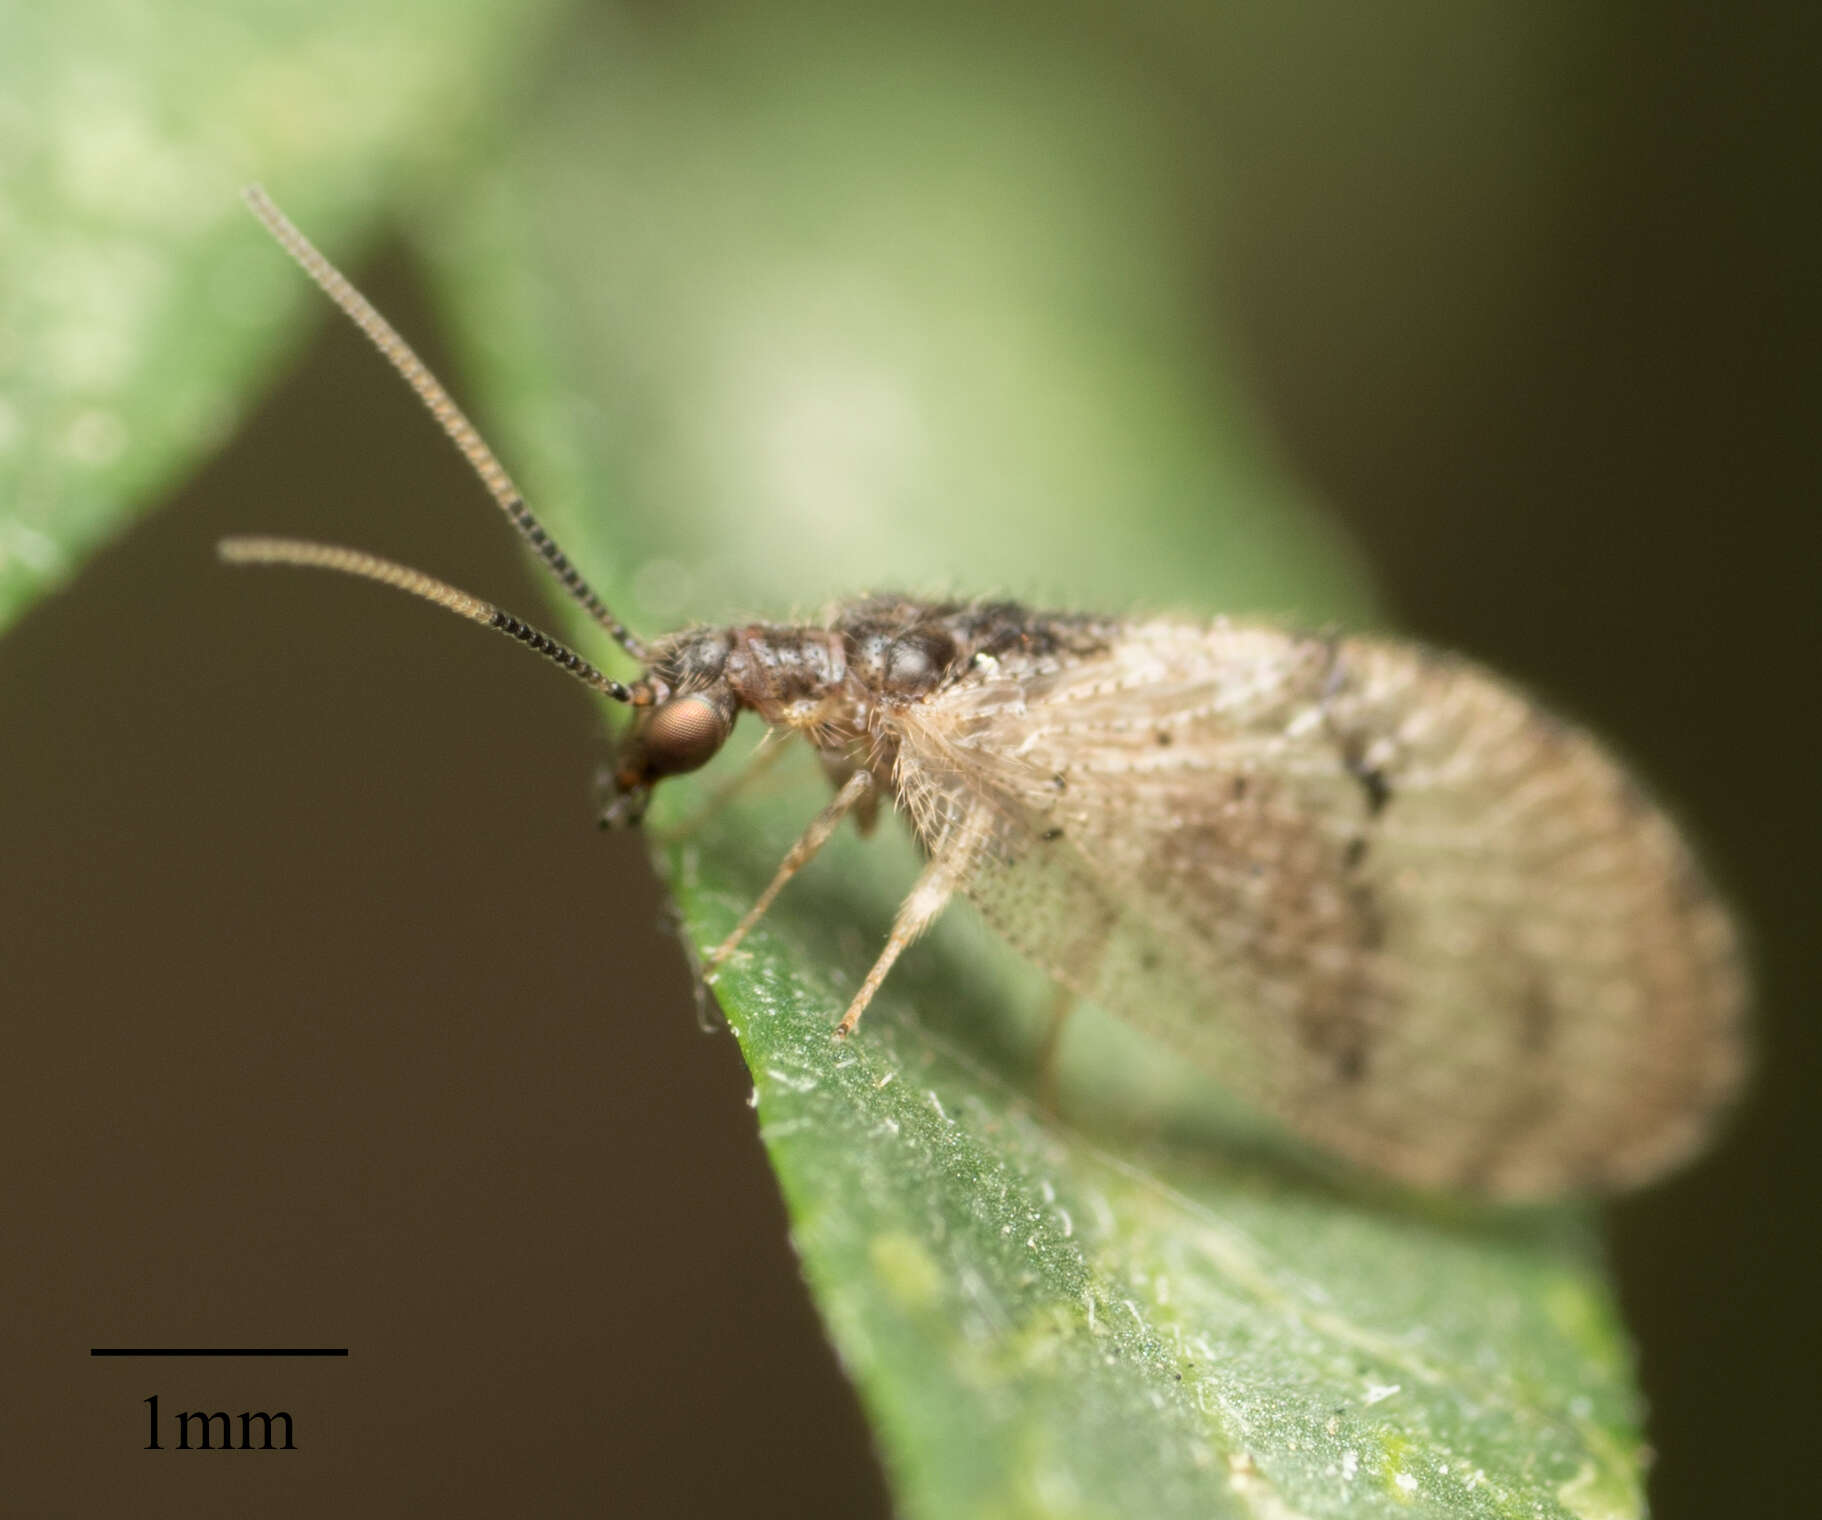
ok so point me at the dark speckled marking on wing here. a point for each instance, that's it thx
(1374, 890)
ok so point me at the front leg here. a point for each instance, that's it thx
(764, 756)
(822, 826)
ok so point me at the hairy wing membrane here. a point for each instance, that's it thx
(1377, 892)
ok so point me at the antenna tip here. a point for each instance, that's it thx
(237, 551)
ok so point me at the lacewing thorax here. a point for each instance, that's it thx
(1371, 887)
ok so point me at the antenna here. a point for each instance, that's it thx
(370, 567)
(449, 417)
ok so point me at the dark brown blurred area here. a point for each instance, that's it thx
(303, 904)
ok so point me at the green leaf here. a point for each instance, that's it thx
(777, 310)
(137, 300)
(777, 314)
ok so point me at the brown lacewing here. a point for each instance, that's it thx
(1370, 887)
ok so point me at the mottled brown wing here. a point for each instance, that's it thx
(1372, 889)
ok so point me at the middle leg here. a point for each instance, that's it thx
(945, 872)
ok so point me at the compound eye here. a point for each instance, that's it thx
(683, 734)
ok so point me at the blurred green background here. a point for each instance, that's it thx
(1505, 311)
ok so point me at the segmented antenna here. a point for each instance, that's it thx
(370, 567)
(441, 406)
